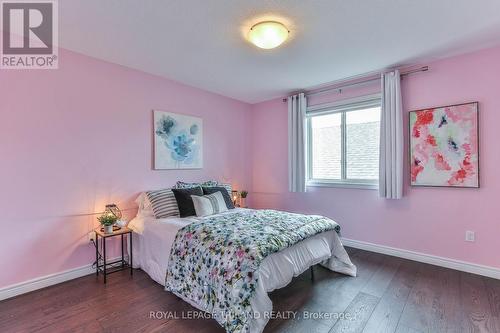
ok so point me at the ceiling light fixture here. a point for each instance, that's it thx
(268, 34)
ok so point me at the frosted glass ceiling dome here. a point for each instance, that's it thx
(268, 34)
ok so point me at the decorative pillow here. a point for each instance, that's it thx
(208, 183)
(163, 203)
(225, 194)
(184, 201)
(228, 187)
(209, 204)
(145, 208)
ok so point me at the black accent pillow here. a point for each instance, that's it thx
(223, 190)
(184, 201)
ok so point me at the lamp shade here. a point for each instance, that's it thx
(234, 196)
(113, 209)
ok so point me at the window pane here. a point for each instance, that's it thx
(362, 146)
(326, 146)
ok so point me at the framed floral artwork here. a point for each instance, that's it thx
(178, 141)
(444, 146)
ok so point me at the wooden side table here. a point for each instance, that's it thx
(117, 265)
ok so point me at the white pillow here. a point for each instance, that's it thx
(145, 208)
(209, 204)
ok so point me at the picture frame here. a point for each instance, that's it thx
(444, 146)
(178, 141)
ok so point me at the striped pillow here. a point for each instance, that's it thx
(209, 204)
(163, 203)
(225, 194)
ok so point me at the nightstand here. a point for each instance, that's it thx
(103, 265)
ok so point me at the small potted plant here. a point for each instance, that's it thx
(243, 196)
(107, 221)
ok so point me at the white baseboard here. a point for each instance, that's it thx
(425, 258)
(47, 280)
(44, 281)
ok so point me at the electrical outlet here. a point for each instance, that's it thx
(91, 236)
(470, 236)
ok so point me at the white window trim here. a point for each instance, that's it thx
(340, 184)
(336, 107)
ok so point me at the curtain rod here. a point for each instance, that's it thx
(367, 78)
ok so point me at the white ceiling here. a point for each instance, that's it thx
(201, 42)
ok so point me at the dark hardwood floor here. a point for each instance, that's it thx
(389, 295)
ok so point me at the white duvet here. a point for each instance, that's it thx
(153, 239)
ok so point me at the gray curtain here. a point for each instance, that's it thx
(391, 138)
(297, 143)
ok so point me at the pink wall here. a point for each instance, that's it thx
(428, 220)
(76, 138)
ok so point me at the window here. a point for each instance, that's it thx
(343, 143)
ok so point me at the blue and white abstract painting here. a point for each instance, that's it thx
(178, 141)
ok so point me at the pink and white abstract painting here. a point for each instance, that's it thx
(444, 148)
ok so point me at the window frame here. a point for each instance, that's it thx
(342, 107)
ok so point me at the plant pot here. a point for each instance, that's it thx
(108, 229)
(243, 202)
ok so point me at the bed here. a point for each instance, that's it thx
(155, 239)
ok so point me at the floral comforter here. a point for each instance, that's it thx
(213, 262)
